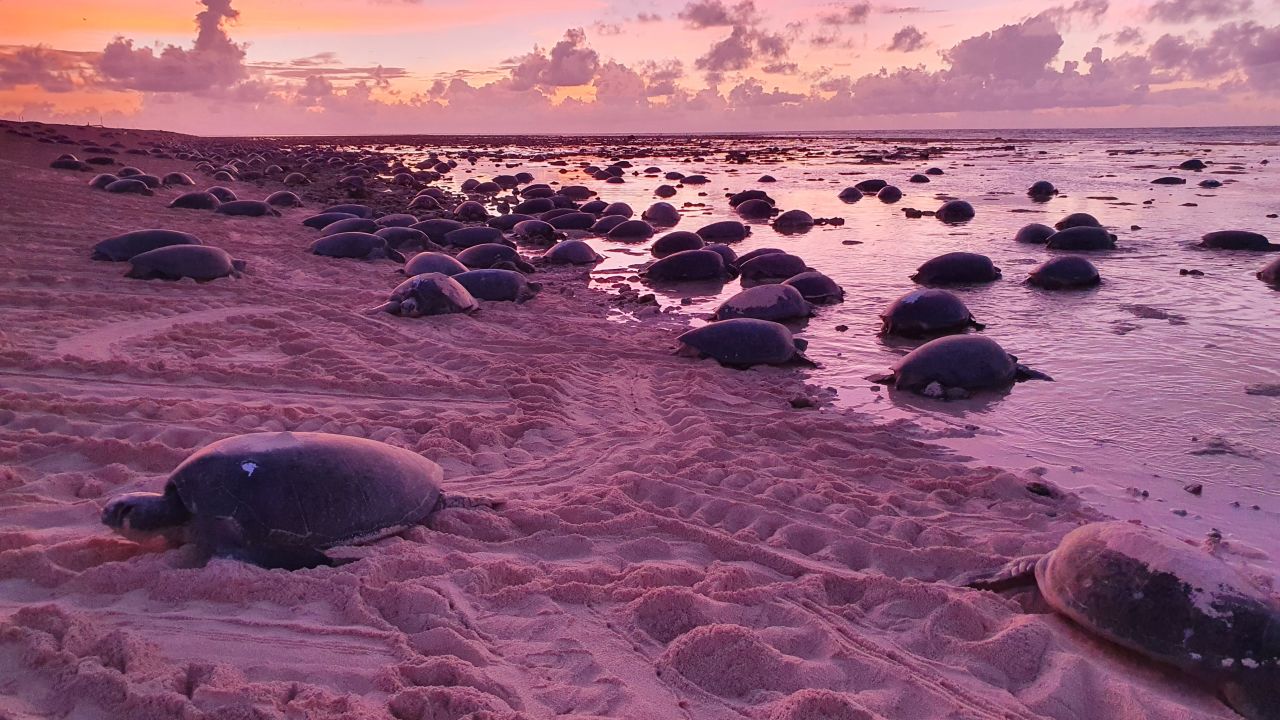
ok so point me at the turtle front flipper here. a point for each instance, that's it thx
(1018, 574)
(462, 501)
(1255, 698)
(224, 537)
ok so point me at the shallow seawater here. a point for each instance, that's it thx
(1151, 369)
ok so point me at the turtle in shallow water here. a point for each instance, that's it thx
(956, 366)
(1165, 600)
(1237, 240)
(743, 342)
(927, 312)
(279, 499)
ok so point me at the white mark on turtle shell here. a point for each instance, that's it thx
(249, 467)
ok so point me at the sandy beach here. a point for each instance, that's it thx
(675, 539)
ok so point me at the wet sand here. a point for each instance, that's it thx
(676, 539)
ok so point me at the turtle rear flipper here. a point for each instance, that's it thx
(1018, 574)
(224, 537)
(1254, 697)
(1026, 373)
(462, 501)
(883, 378)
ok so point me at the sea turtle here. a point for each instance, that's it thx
(927, 312)
(661, 214)
(850, 195)
(1041, 191)
(323, 220)
(487, 255)
(608, 223)
(1034, 234)
(124, 247)
(247, 208)
(689, 265)
(1077, 220)
(279, 499)
(816, 287)
(743, 342)
(102, 180)
(174, 262)
(470, 211)
(535, 205)
(535, 232)
(129, 185)
(508, 222)
(363, 211)
(360, 225)
(770, 267)
(955, 211)
(177, 178)
(433, 262)
(397, 220)
(1081, 238)
(497, 285)
(725, 231)
(1165, 600)
(223, 194)
(956, 366)
(793, 222)
(1065, 272)
(466, 237)
(674, 242)
(403, 238)
(1271, 273)
(1237, 240)
(618, 208)
(428, 294)
(572, 220)
(360, 245)
(196, 201)
(889, 194)
(572, 252)
(437, 228)
(755, 209)
(871, 186)
(631, 231)
(957, 268)
(284, 198)
(765, 302)
(738, 198)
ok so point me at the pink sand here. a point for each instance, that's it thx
(677, 541)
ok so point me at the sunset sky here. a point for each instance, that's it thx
(237, 67)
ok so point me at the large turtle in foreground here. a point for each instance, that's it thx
(278, 499)
(1165, 600)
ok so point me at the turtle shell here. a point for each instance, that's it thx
(743, 342)
(969, 362)
(766, 302)
(303, 489)
(1165, 599)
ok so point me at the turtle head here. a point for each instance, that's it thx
(139, 516)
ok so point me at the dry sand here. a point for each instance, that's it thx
(677, 542)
